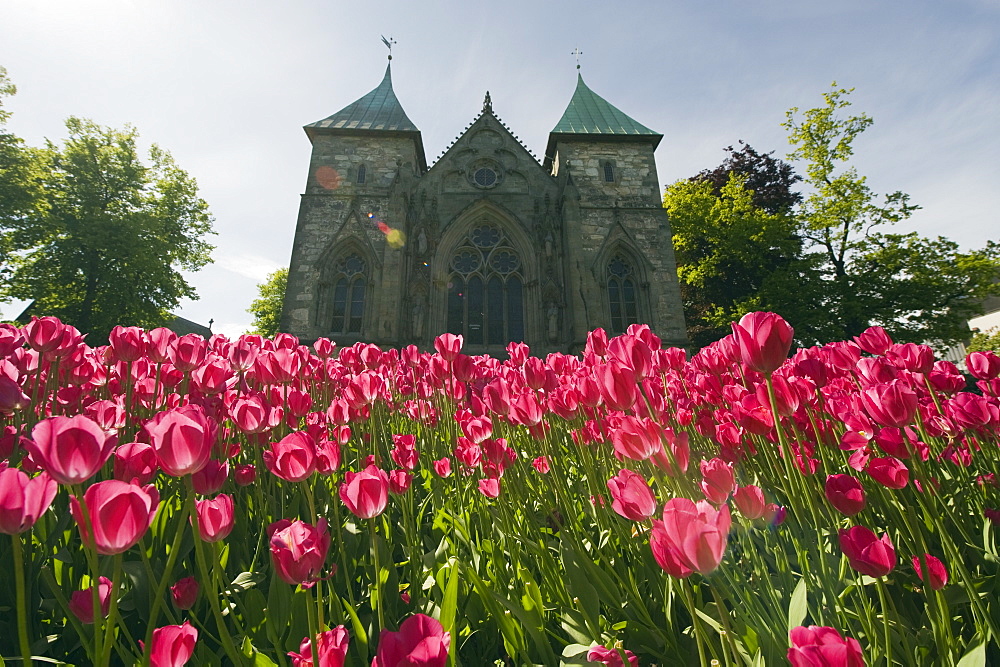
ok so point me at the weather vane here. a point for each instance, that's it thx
(577, 52)
(388, 44)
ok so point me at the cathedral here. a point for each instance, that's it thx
(487, 242)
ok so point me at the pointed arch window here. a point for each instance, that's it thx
(609, 171)
(486, 289)
(362, 174)
(348, 277)
(622, 297)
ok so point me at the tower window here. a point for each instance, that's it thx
(485, 290)
(621, 283)
(362, 174)
(348, 295)
(609, 171)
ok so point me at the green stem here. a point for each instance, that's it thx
(161, 588)
(112, 611)
(213, 597)
(22, 615)
(377, 591)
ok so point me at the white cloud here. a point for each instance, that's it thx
(248, 266)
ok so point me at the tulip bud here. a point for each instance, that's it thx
(845, 493)
(185, 592)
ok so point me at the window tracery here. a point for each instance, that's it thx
(622, 298)
(486, 289)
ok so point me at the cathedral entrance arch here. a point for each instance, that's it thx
(484, 281)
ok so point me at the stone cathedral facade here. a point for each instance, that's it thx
(487, 242)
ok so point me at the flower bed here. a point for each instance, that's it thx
(257, 502)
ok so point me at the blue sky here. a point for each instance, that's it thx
(226, 87)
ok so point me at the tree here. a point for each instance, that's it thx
(266, 309)
(736, 242)
(918, 289)
(985, 341)
(769, 180)
(20, 176)
(109, 234)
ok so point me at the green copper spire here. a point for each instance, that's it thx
(589, 113)
(378, 110)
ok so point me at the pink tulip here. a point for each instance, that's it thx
(331, 649)
(890, 404)
(293, 458)
(442, 467)
(695, 535)
(938, 573)
(911, 357)
(135, 462)
(983, 365)
(845, 493)
(399, 481)
(365, 493)
(44, 334)
(631, 496)
(182, 438)
(448, 346)
(750, 501)
(867, 553)
(541, 464)
(718, 480)
(215, 518)
(23, 499)
(816, 646)
(665, 552)
(889, 472)
(420, 642)
(71, 449)
(637, 438)
(298, 550)
(245, 474)
(611, 657)
(764, 340)
(617, 385)
(81, 603)
(120, 514)
(874, 340)
(185, 593)
(211, 478)
(490, 487)
(187, 352)
(173, 645)
(328, 457)
(127, 343)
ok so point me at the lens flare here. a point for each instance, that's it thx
(328, 178)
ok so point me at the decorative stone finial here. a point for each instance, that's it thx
(487, 102)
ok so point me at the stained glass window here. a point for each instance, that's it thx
(485, 299)
(348, 309)
(621, 282)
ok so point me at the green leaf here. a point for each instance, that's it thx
(360, 636)
(245, 581)
(449, 606)
(799, 605)
(976, 657)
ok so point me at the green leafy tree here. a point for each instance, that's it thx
(985, 341)
(266, 309)
(20, 177)
(919, 289)
(736, 243)
(109, 234)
